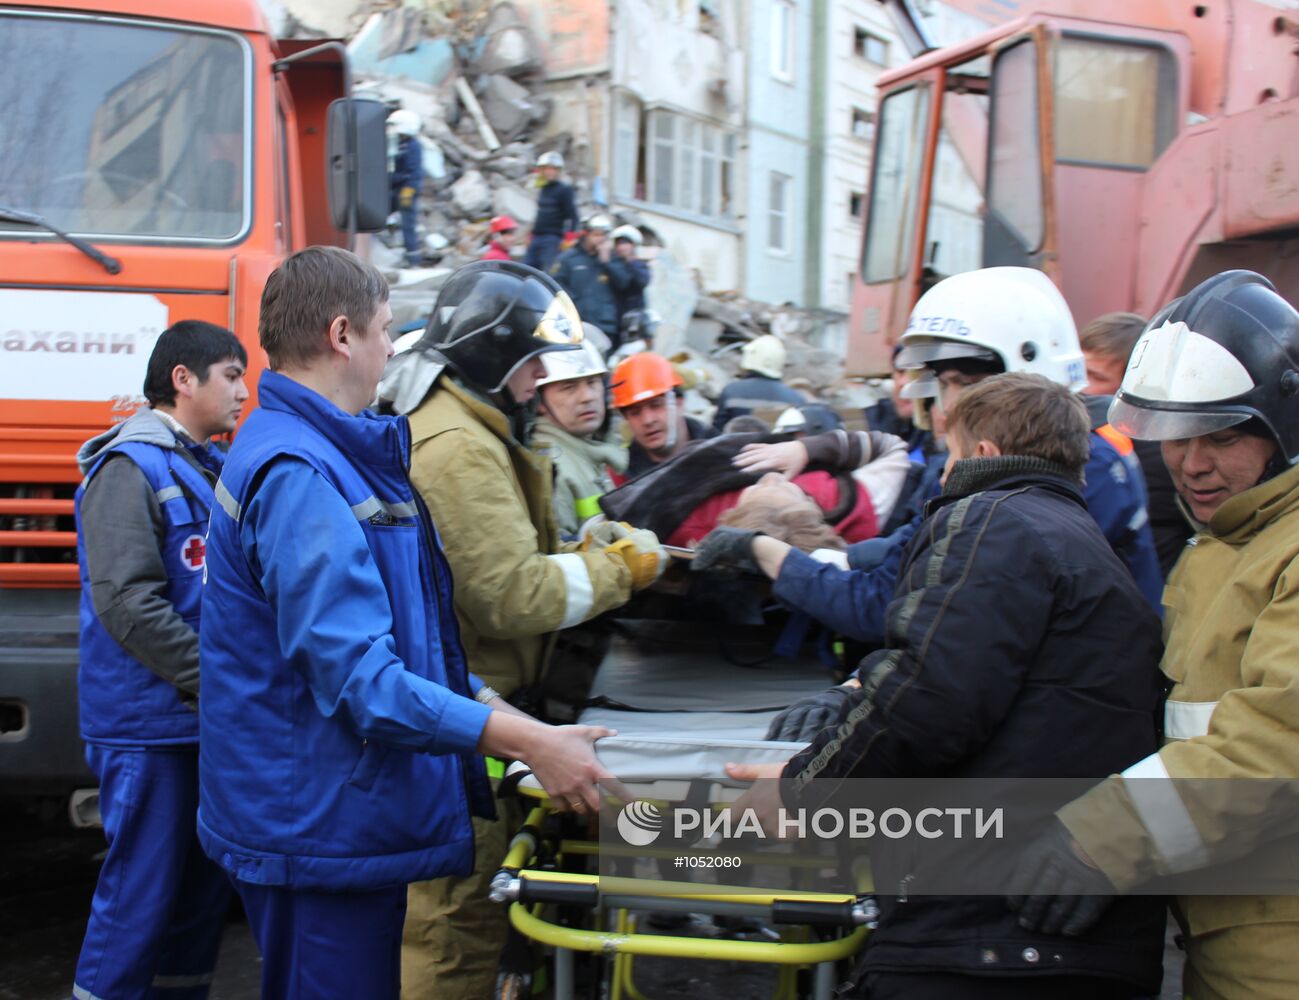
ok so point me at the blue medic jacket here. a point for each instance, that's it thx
(123, 701)
(339, 726)
(853, 601)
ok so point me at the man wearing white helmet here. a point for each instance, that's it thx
(593, 278)
(406, 180)
(556, 212)
(626, 244)
(762, 363)
(570, 416)
(964, 329)
(1214, 379)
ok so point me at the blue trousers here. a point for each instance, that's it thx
(327, 945)
(543, 248)
(160, 904)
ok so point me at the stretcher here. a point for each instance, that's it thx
(683, 705)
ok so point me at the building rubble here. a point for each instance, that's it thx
(474, 74)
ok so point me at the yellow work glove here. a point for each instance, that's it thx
(641, 553)
(406, 197)
(602, 534)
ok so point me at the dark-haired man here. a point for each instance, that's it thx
(342, 727)
(142, 514)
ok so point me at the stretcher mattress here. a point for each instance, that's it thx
(682, 710)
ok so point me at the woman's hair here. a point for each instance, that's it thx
(802, 525)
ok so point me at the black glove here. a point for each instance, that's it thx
(1065, 892)
(804, 719)
(727, 550)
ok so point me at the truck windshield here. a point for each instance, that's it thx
(114, 129)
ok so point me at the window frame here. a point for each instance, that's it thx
(784, 212)
(862, 37)
(1166, 96)
(782, 55)
(719, 161)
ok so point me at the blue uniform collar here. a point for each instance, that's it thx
(370, 439)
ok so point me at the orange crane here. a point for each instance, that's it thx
(1127, 148)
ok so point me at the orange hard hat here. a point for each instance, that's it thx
(503, 224)
(642, 376)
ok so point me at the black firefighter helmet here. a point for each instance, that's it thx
(493, 315)
(1225, 353)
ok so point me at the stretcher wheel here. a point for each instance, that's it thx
(513, 986)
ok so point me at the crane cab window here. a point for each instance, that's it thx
(1115, 101)
(895, 186)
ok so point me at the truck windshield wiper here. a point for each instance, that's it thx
(110, 264)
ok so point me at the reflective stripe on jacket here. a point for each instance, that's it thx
(1231, 618)
(490, 498)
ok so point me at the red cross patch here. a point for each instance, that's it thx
(193, 553)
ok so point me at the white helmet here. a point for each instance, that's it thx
(550, 159)
(764, 355)
(565, 366)
(404, 122)
(1012, 315)
(597, 221)
(627, 233)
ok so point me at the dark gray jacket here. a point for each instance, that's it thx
(122, 531)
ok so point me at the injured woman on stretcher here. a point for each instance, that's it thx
(846, 486)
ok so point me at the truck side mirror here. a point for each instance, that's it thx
(357, 164)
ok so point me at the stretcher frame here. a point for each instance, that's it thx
(530, 889)
(817, 930)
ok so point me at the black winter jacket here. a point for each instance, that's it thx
(1018, 646)
(556, 210)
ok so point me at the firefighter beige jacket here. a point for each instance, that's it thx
(490, 499)
(1230, 627)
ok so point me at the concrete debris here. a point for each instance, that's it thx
(508, 106)
(473, 73)
(517, 202)
(471, 195)
(470, 101)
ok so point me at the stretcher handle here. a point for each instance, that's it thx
(562, 893)
(814, 913)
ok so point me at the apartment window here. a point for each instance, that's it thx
(856, 204)
(778, 214)
(782, 40)
(691, 165)
(870, 47)
(626, 147)
(863, 124)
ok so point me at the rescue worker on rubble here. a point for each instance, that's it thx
(141, 511)
(631, 297)
(594, 277)
(1215, 378)
(1000, 309)
(467, 387)
(556, 213)
(406, 180)
(572, 430)
(504, 231)
(762, 363)
(1107, 343)
(1013, 622)
(342, 731)
(646, 390)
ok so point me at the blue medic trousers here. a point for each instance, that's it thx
(543, 248)
(327, 945)
(160, 905)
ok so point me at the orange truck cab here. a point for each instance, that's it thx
(1127, 148)
(159, 160)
